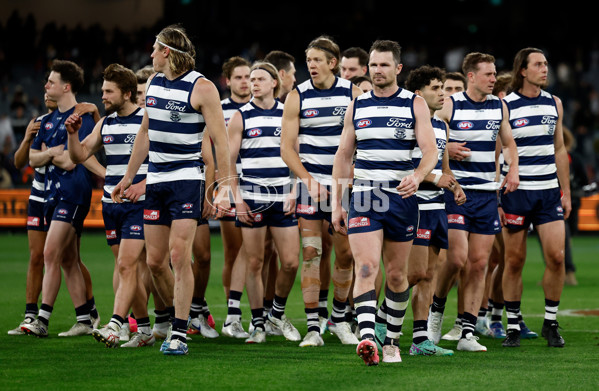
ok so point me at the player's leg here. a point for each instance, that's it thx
(286, 240)
(253, 239)
(552, 237)
(200, 313)
(232, 239)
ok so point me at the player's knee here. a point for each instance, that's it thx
(416, 276)
(289, 265)
(254, 264)
(556, 259)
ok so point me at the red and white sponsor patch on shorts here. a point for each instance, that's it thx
(514, 219)
(305, 209)
(151, 214)
(455, 219)
(358, 222)
(33, 221)
(424, 234)
(110, 234)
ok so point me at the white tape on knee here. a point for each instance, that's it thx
(314, 242)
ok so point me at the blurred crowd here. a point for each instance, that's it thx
(24, 63)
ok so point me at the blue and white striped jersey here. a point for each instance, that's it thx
(430, 196)
(265, 174)
(476, 123)
(321, 123)
(38, 191)
(175, 129)
(533, 122)
(385, 140)
(229, 108)
(118, 136)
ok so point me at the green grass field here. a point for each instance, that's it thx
(55, 363)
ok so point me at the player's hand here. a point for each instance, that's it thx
(458, 151)
(221, 202)
(502, 218)
(208, 210)
(317, 191)
(458, 194)
(84, 108)
(135, 191)
(56, 150)
(31, 131)
(73, 123)
(244, 214)
(447, 182)
(567, 206)
(511, 181)
(408, 186)
(118, 193)
(289, 204)
(339, 220)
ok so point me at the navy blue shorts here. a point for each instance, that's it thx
(68, 212)
(123, 221)
(307, 208)
(269, 214)
(175, 200)
(525, 207)
(374, 210)
(478, 215)
(432, 229)
(35, 217)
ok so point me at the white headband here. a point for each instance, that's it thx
(170, 47)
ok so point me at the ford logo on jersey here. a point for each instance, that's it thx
(363, 123)
(108, 139)
(254, 132)
(151, 101)
(465, 125)
(49, 125)
(518, 123)
(310, 113)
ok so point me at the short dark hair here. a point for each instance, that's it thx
(383, 45)
(144, 73)
(281, 60)
(456, 76)
(356, 52)
(123, 77)
(503, 83)
(232, 63)
(70, 73)
(471, 61)
(422, 77)
(356, 80)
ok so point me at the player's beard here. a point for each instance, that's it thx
(113, 107)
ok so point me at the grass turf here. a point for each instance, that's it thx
(223, 363)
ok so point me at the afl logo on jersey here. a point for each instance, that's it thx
(151, 101)
(108, 139)
(62, 211)
(363, 123)
(254, 132)
(518, 123)
(188, 206)
(310, 113)
(465, 125)
(49, 125)
(135, 228)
